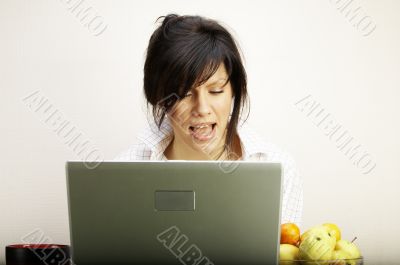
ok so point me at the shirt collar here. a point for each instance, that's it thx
(250, 141)
(157, 139)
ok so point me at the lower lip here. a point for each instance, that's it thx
(204, 137)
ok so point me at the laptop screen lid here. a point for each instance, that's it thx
(175, 212)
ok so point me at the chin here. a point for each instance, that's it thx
(209, 147)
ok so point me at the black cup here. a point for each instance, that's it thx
(38, 254)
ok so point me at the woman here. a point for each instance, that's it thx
(195, 84)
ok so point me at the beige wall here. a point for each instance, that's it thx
(91, 76)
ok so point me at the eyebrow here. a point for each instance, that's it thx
(216, 81)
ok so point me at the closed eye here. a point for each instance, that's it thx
(216, 92)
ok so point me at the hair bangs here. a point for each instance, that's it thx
(206, 61)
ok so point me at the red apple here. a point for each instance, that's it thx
(290, 234)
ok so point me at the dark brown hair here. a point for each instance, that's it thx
(184, 52)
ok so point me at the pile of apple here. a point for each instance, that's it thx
(322, 243)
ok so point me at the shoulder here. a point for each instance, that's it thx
(151, 143)
(257, 147)
(138, 151)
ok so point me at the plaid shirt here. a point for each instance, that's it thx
(153, 142)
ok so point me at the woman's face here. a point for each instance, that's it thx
(200, 119)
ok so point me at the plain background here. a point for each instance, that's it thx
(292, 49)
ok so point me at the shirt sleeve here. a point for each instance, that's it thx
(292, 199)
(135, 152)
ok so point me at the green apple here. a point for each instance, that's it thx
(340, 257)
(334, 230)
(288, 253)
(349, 248)
(321, 231)
(317, 244)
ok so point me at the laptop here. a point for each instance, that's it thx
(175, 212)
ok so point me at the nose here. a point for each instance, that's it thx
(201, 106)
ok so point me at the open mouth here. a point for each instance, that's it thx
(203, 132)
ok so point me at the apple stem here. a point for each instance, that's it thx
(354, 239)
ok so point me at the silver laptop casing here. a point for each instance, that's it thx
(175, 212)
